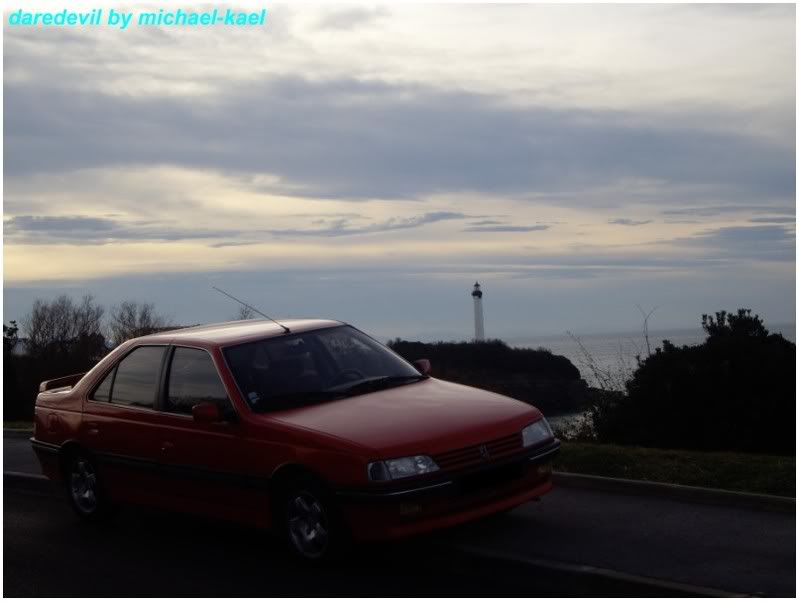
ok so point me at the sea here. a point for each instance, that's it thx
(616, 352)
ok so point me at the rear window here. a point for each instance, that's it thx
(137, 375)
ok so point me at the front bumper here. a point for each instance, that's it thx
(395, 510)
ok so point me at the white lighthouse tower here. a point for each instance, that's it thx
(477, 295)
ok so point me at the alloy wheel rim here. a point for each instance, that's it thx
(83, 485)
(307, 524)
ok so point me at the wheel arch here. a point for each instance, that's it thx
(289, 471)
(69, 449)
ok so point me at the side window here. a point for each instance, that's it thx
(136, 382)
(102, 393)
(193, 379)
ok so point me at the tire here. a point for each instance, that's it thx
(84, 488)
(310, 522)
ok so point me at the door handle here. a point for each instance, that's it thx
(166, 446)
(92, 429)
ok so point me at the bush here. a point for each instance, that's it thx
(550, 382)
(491, 355)
(734, 392)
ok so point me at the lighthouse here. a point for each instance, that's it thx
(477, 295)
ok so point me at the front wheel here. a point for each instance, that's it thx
(310, 523)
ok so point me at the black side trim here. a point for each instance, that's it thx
(441, 482)
(44, 447)
(184, 471)
(167, 470)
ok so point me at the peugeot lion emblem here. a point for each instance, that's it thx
(484, 454)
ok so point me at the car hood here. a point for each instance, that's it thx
(426, 417)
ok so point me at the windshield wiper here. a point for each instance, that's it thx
(380, 382)
(300, 398)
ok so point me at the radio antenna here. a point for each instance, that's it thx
(251, 308)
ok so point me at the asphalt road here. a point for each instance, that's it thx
(140, 553)
(47, 552)
(18, 455)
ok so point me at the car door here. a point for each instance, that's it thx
(120, 420)
(206, 467)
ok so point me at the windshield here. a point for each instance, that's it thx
(313, 367)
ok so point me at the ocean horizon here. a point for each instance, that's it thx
(617, 351)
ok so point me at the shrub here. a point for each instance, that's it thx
(551, 382)
(735, 392)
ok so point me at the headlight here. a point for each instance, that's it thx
(394, 469)
(537, 432)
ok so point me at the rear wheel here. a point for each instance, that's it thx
(84, 488)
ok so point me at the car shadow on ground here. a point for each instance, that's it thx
(144, 552)
(48, 551)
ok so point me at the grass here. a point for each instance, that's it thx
(765, 474)
(17, 425)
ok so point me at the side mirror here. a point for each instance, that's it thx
(205, 413)
(423, 365)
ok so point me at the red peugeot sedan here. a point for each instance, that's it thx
(317, 430)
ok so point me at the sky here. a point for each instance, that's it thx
(369, 163)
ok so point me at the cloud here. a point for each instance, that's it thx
(622, 221)
(351, 18)
(50, 225)
(342, 227)
(232, 243)
(507, 228)
(322, 216)
(716, 210)
(486, 222)
(77, 229)
(93, 230)
(362, 140)
(773, 220)
(761, 242)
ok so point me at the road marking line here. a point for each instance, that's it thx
(574, 568)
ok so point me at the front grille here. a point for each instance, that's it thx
(491, 478)
(480, 453)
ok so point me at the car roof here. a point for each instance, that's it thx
(236, 332)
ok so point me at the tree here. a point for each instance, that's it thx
(64, 336)
(10, 389)
(131, 320)
(10, 337)
(244, 313)
(62, 327)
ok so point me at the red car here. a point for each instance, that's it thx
(319, 431)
